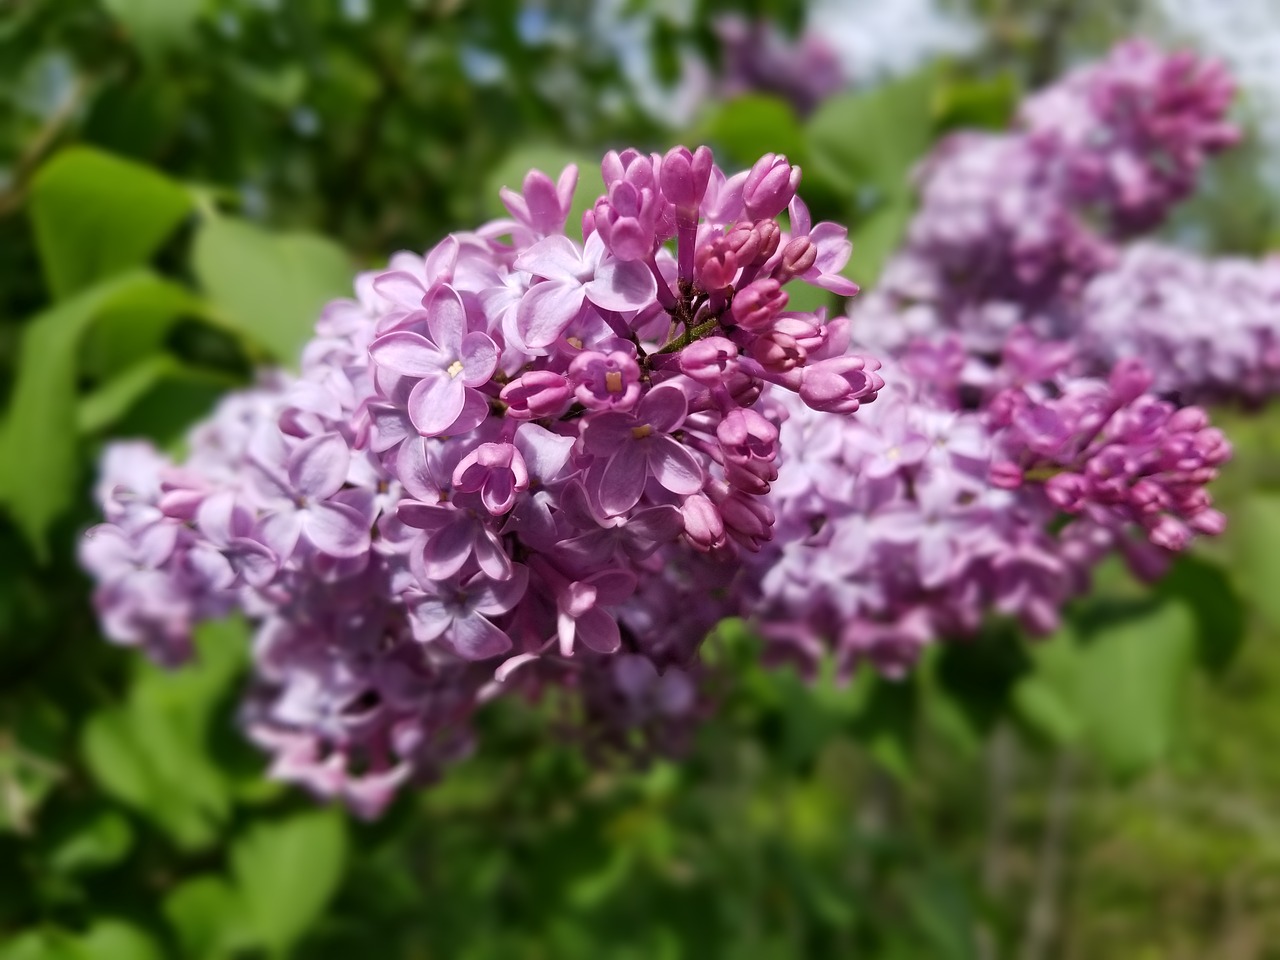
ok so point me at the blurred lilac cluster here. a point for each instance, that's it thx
(1035, 227)
(519, 463)
(1034, 363)
(938, 506)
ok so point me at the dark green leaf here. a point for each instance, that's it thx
(156, 24)
(1220, 622)
(1256, 532)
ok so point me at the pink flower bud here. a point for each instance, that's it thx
(715, 265)
(777, 352)
(769, 186)
(710, 360)
(703, 526)
(745, 435)
(538, 393)
(798, 256)
(1129, 380)
(497, 471)
(757, 304)
(1005, 475)
(839, 384)
(683, 176)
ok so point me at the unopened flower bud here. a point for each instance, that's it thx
(684, 176)
(703, 525)
(798, 256)
(757, 304)
(538, 393)
(769, 186)
(709, 360)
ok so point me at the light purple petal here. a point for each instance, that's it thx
(546, 311)
(402, 289)
(390, 426)
(492, 597)
(663, 408)
(280, 532)
(336, 529)
(435, 403)
(555, 258)
(476, 638)
(613, 586)
(318, 466)
(445, 551)
(479, 356)
(622, 285)
(429, 618)
(674, 466)
(425, 516)
(446, 319)
(492, 558)
(623, 478)
(408, 354)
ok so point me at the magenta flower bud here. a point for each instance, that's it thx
(798, 257)
(803, 330)
(746, 518)
(631, 165)
(497, 471)
(538, 393)
(626, 219)
(710, 360)
(745, 435)
(770, 235)
(703, 525)
(715, 265)
(684, 176)
(1212, 522)
(1067, 491)
(744, 242)
(1129, 380)
(605, 381)
(838, 385)
(777, 352)
(1005, 475)
(769, 186)
(743, 388)
(1170, 533)
(757, 304)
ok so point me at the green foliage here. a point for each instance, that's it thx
(96, 215)
(176, 166)
(270, 287)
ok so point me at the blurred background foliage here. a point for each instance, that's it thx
(184, 182)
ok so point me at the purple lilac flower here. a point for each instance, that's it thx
(480, 481)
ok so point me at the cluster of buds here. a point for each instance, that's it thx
(914, 522)
(492, 460)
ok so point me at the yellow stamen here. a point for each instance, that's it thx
(455, 368)
(575, 342)
(613, 381)
(641, 431)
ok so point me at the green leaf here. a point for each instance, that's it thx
(115, 940)
(748, 127)
(269, 286)
(987, 104)
(96, 215)
(38, 457)
(136, 328)
(114, 399)
(286, 872)
(1220, 621)
(1128, 677)
(1255, 529)
(875, 236)
(100, 841)
(210, 918)
(863, 139)
(152, 751)
(156, 25)
(47, 944)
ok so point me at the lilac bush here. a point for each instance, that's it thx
(520, 463)
(1040, 228)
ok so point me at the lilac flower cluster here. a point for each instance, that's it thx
(1023, 435)
(519, 463)
(1030, 228)
(756, 56)
(917, 519)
